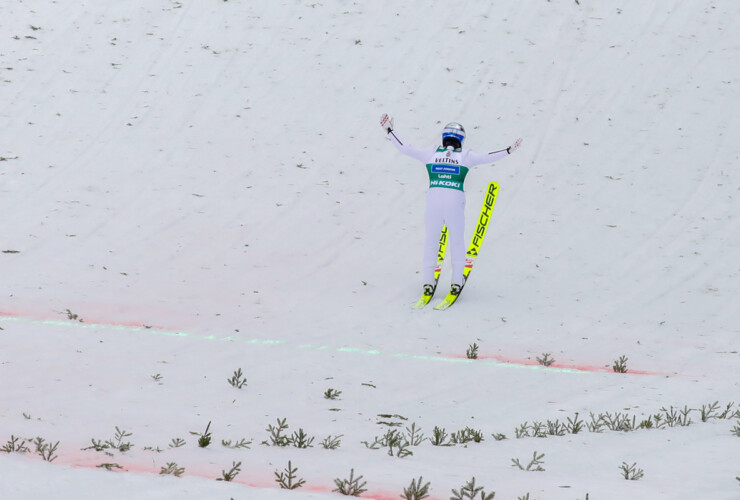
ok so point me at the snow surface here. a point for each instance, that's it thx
(189, 188)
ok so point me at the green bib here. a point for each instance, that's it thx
(445, 170)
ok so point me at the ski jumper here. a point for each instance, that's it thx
(447, 169)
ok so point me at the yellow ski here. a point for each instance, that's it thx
(429, 289)
(475, 244)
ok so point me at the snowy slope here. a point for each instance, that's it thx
(205, 185)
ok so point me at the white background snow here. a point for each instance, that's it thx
(204, 184)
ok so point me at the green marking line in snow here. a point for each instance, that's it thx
(11, 318)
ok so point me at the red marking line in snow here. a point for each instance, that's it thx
(93, 461)
(63, 316)
(529, 363)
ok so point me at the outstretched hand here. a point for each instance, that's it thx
(514, 146)
(387, 123)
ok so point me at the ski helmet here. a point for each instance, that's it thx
(453, 134)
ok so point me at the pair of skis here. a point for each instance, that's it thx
(470, 255)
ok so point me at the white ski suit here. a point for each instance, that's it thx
(447, 168)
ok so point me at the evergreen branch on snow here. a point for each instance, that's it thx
(417, 490)
(287, 478)
(350, 487)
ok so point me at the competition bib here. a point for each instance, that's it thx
(445, 170)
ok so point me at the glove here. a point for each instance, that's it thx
(514, 146)
(387, 123)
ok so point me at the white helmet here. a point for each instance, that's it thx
(453, 135)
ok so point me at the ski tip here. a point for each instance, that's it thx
(422, 302)
(445, 304)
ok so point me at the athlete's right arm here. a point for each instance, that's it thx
(419, 154)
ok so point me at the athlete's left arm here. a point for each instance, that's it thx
(472, 158)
